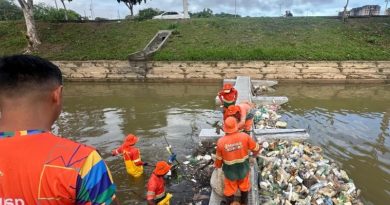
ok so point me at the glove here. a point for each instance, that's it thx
(172, 158)
(145, 164)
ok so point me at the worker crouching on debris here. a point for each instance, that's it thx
(228, 95)
(233, 156)
(244, 113)
(156, 185)
(131, 156)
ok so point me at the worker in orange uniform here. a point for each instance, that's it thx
(228, 95)
(156, 185)
(233, 156)
(244, 113)
(37, 166)
(131, 155)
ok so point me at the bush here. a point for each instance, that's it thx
(47, 13)
(148, 14)
(206, 13)
(9, 11)
(226, 15)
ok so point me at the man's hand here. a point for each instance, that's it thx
(252, 161)
(172, 158)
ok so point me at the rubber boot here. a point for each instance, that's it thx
(244, 198)
(228, 200)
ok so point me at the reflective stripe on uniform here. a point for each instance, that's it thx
(137, 160)
(151, 193)
(231, 162)
(257, 148)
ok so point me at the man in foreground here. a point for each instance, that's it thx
(36, 166)
(233, 156)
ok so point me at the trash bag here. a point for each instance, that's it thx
(216, 181)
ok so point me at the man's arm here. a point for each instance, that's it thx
(220, 97)
(235, 94)
(218, 157)
(117, 151)
(253, 146)
(241, 123)
(95, 184)
(137, 158)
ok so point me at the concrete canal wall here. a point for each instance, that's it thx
(296, 71)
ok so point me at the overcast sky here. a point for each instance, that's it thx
(112, 9)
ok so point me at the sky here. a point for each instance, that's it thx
(113, 10)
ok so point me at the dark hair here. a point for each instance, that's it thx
(22, 73)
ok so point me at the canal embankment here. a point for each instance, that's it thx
(292, 71)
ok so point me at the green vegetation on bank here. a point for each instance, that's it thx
(306, 38)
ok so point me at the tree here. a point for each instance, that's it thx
(32, 36)
(130, 4)
(148, 13)
(387, 2)
(9, 11)
(345, 16)
(66, 13)
(206, 13)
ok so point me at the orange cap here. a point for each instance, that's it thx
(162, 168)
(227, 86)
(233, 109)
(230, 125)
(131, 139)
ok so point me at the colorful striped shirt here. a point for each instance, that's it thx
(60, 171)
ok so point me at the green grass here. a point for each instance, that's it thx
(312, 38)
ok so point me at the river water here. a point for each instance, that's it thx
(350, 122)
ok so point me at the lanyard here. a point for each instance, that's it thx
(20, 133)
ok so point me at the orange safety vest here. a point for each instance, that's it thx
(233, 152)
(155, 188)
(228, 98)
(40, 169)
(132, 158)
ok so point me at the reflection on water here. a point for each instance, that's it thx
(350, 122)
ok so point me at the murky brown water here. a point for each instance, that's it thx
(350, 122)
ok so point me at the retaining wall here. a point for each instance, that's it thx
(315, 71)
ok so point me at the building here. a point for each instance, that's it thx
(387, 12)
(368, 10)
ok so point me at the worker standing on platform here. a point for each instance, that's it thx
(228, 95)
(37, 166)
(233, 156)
(131, 156)
(244, 113)
(156, 185)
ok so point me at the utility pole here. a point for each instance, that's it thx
(235, 8)
(185, 8)
(91, 9)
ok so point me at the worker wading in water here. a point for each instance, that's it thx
(155, 194)
(228, 96)
(233, 156)
(244, 113)
(131, 156)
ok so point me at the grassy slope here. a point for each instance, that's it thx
(212, 39)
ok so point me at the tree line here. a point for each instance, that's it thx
(10, 11)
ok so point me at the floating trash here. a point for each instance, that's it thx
(296, 173)
(266, 117)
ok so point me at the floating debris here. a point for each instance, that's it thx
(296, 173)
(266, 117)
(260, 90)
